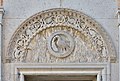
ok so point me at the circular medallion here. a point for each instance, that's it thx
(60, 44)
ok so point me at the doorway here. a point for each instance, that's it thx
(60, 78)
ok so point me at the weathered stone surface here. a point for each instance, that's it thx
(96, 9)
(103, 11)
(17, 11)
(6, 72)
(118, 1)
(25, 8)
(94, 37)
(10, 25)
(111, 27)
(114, 71)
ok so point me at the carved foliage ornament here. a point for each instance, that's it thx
(60, 35)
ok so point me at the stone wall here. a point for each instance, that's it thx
(17, 11)
(118, 3)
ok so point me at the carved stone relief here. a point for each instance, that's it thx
(45, 47)
(60, 44)
(60, 36)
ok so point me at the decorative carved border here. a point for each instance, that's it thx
(46, 15)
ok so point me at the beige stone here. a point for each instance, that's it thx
(77, 59)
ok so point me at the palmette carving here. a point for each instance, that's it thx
(31, 43)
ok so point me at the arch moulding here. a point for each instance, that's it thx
(60, 36)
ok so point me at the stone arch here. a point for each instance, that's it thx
(91, 34)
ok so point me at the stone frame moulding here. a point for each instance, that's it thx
(100, 70)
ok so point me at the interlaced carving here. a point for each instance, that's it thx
(87, 34)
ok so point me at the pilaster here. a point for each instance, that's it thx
(119, 39)
(1, 41)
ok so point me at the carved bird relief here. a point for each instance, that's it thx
(61, 44)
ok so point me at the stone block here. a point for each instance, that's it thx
(94, 9)
(26, 8)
